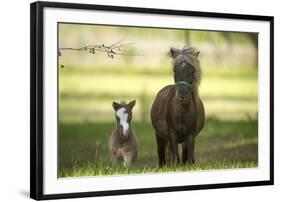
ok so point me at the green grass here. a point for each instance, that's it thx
(128, 69)
(87, 92)
(221, 145)
(134, 84)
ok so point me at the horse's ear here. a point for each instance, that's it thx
(197, 53)
(131, 104)
(174, 52)
(116, 106)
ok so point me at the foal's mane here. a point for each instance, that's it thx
(190, 56)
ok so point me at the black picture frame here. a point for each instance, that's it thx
(36, 98)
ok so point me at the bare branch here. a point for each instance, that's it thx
(116, 49)
(116, 43)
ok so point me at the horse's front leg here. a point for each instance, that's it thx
(161, 147)
(188, 150)
(175, 156)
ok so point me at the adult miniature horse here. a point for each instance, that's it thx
(177, 113)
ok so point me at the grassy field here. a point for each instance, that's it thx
(88, 92)
(228, 140)
(221, 145)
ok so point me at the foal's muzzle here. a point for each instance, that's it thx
(125, 134)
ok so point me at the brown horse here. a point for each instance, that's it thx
(177, 113)
(123, 143)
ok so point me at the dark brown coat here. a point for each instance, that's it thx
(178, 116)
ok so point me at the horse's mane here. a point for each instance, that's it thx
(123, 102)
(190, 56)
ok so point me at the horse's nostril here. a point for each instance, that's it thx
(183, 95)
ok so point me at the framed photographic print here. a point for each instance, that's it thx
(136, 100)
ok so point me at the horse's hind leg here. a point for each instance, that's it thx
(161, 146)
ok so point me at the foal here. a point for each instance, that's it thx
(123, 143)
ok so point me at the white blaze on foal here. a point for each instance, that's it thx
(121, 113)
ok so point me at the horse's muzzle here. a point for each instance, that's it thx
(183, 96)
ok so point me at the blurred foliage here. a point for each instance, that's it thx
(216, 48)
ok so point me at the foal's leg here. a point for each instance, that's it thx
(188, 150)
(161, 146)
(128, 159)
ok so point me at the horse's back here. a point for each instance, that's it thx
(158, 109)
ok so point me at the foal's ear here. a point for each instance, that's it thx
(197, 53)
(116, 106)
(174, 52)
(131, 104)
